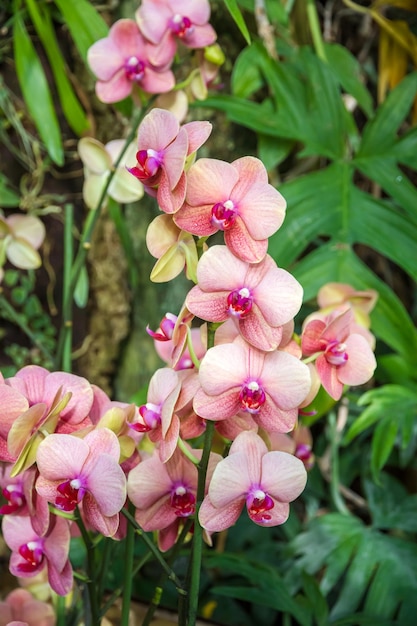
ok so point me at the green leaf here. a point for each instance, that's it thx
(71, 107)
(8, 198)
(246, 76)
(81, 290)
(85, 24)
(380, 133)
(379, 573)
(317, 601)
(382, 444)
(382, 403)
(36, 92)
(391, 505)
(348, 72)
(238, 18)
(122, 228)
(374, 223)
(272, 151)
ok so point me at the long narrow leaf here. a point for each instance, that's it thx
(71, 107)
(36, 92)
(85, 24)
(238, 18)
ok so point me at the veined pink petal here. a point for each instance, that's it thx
(171, 200)
(12, 404)
(158, 129)
(198, 133)
(164, 382)
(81, 399)
(211, 307)
(148, 482)
(232, 478)
(262, 208)
(159, 515)
(329, 377)
(115, 89)
(61, 581)
(157, 82)
(258, 332)
(128, 39)
(286, 379)
(251, 170)
(279, 295)
(107, 525)
(241, 243)
(57, 542)
(201, 37)
(339, 327)
(361, 363)
(216, 520)
(210, 181)
(167, 446)
(106, 483)
(223, 368)
(283, 476)
(32, 382)
(61, 456)
(210, 270)
(195, 219)
(152, 18)
(174, 158)
(168, 536)
(311, 337)
(218, 407)
(272, 419)
(104, 59)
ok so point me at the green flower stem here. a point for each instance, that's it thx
(67, 300)
(197, 548)
(334, 469)
(104, 564)
(92, 575)
(118, 592)
(90, 224)
(191, 350)
(128, 568)
(187, 452)
(152, 547)
(60, 611)
(159, 587)
(315, 29)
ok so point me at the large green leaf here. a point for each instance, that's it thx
(71, 107)
(36, 92)
(380, 133)
(379, 574)
(85, 24)
(391, 505)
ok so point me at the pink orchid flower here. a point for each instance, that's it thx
(268, 385)
(22, 498)
(157, 417)
(343, 357)
(235, 198)
(35, 398)
(31, 553)
(298, 442)
(163, 147)
(164, 494)
(259, 297)
(20, 607)
(335, 295)
(251, 475)
(121, 61)
(166, 22)
(74, 470)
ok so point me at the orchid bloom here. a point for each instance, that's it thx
(163, 147)
(157, 417)
(98, 161)
(166, 22)
(236, 198)
(31, 553)
(260, 298)
(335, 295)
(22, 498)
(20, 238)
(33, 399)
(265, 482)
(174, 249)
(343, 357)
(164, 494)
(20, 606)
(268, 385)
(74, 470)
(121, 61)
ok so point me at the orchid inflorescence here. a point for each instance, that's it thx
(73, 456)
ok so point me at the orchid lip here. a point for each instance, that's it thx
(134, 69)
(181, 26)
(239, 302)
(336, 353)
(258, 503)
(223, 215)
(182, 501)
(252, 397)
